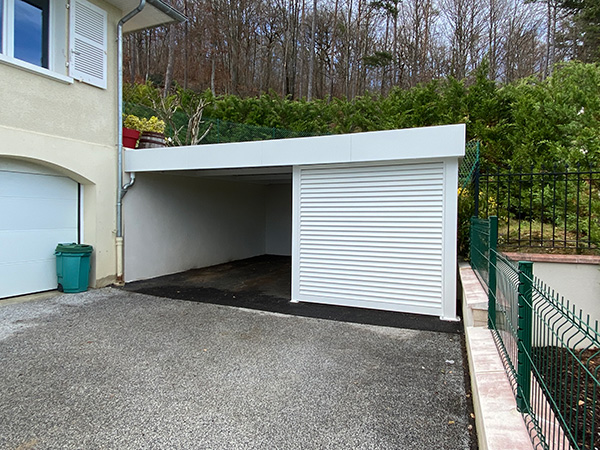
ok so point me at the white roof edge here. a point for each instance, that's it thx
(446, 141)
(173, 14)
(155, 13)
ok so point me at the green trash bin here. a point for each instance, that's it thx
(73, 267)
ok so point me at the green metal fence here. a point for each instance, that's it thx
(223, 131)
(550, 349)
(480, 244)
(469, 164)
(467, 171)
(219, 131)
(555, 207)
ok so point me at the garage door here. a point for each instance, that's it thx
(370, 236)
(39, 209)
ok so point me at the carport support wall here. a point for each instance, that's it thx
(449, 249)
(176, 223)
(278, 219)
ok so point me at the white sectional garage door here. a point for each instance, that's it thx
(39, 209)
(370, 236)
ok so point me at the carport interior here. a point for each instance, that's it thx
(181, 220)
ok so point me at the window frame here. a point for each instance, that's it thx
(2, 26)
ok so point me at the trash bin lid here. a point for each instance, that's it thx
(74, 248)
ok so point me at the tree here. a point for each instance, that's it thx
(311, 61)
(586, 24)
(346, 48)
(465, 23)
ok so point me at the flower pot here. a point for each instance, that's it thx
(130, 137)
(150, 139)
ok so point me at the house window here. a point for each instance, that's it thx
(33, 36)
(56, 40)
(31, 28)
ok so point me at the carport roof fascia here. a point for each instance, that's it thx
(447, 141)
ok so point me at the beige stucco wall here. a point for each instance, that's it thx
(71, 128)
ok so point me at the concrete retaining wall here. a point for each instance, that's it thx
(576, 277)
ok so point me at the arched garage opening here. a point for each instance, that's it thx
(40, 208)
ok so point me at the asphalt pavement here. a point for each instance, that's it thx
(114, 369)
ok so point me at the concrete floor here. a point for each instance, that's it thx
(264, 283)
(115, 369)
(262, 275)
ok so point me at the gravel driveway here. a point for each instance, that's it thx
(115, 369)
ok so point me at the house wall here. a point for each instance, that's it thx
(175, 223)
(70, 127)
(278, 199)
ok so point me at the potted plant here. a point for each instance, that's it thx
(153, 133)
(147, 133)
(131, 131)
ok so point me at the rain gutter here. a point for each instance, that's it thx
(121, 190)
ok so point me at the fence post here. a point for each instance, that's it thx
(492, 259)
(476, 188)
(471, 240)
(524, 334)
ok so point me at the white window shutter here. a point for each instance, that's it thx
(88, 43)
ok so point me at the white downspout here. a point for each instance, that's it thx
(121, 190)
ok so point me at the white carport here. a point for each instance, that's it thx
(369, 219)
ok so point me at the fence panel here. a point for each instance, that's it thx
(217, 131)
(469, 164)
(548, 208)
(550, 350)
(506, 319)
(565, 360)
(480, 245)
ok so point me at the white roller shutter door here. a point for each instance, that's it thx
(370, 236)
(39, 210)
